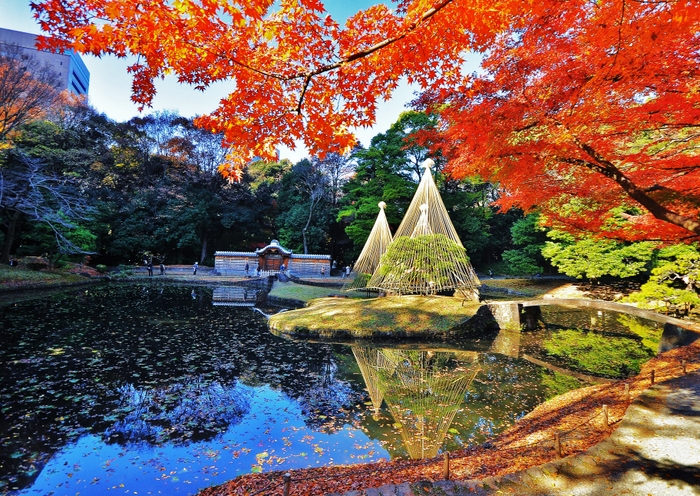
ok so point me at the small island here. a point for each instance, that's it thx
(408, 316)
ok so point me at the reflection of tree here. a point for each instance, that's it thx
(180, 412)
(423, 390)
(326, 397)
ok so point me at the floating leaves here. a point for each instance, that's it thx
(146, 369)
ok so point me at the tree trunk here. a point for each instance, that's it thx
(608, 169)
(203, 254)
(9, 236)
(308, 222)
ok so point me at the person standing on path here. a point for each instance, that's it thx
(194, 268)
(150, 268)
(162, 269)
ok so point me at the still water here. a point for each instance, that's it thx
(164, 389)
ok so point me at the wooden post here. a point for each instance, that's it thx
(557, 444)
(653, 376)
(605, 416)
(446, 467)
(684, 364)
(627, 391)
(287, 483)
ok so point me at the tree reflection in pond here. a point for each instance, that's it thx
(149, 369)
(181, 413)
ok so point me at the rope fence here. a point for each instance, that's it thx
(601, 420)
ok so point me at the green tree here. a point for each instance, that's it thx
(595, 258)
(306, 210)
(529, 238)
(42, 239)
(674, 285)
(417, 265)
(386, 171)
(32, 192)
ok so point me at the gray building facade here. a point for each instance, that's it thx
(68, 66)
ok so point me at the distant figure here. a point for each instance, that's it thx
(257, 270)
(346, 273)
(194, 268)
(333, 265)
(323, 271)
(247, 267)
(162, 269)
(150, 268)
(490, 273)
(282, 267)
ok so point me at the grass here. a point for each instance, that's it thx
(294, 291)
(12, 278)
(394, 316)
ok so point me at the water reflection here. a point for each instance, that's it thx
(422, 389)
(149, 367)
(601, 343)
(156, 387)
(196, 410)
(237, 296)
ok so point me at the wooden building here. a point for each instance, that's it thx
(269, 260)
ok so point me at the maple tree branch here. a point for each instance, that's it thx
(307, 81)
(608, 169)
(308, 75)
(364, 53)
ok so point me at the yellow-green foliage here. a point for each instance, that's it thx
(397, 315)
(595, 353)
(674, 285)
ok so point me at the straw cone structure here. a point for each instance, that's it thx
(426, 255)
(375, 246)
(423, 390)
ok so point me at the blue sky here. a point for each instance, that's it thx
(110, 85)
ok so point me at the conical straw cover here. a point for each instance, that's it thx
(426, 255)
(375, 246)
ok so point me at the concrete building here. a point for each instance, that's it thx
(68, 66)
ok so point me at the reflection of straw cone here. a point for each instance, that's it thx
(365, 358)
(422, 397)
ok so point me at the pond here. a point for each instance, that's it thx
(165, 389)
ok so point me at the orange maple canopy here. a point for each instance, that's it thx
(597, 100)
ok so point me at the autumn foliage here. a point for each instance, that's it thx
(585, 109)
(589, 111)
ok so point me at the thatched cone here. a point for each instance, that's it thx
(375, 246)
(426, 255)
